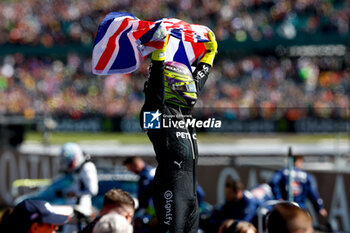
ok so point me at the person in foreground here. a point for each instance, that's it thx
(289, 218)
(171, 92)
(113, 223)
(115, 201)
(33, 216)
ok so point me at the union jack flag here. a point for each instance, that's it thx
(123, 41)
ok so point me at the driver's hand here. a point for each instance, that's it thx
(159, 54)
(211, 47)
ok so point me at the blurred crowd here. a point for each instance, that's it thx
(33, 86)
(270, 87)
(247, 87)
(250, 87)
(57, 22)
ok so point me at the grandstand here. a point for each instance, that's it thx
(283, 69)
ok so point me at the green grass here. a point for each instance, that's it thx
(59, 138)
(141, 138)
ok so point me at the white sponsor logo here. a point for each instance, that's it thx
(178, 164)
(168, 195)
(186, 135)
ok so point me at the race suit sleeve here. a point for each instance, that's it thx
(313, 194)
(154, 89)
(200, 75)
(275, 184)
(88, 180)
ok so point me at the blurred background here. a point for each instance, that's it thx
(281, 79)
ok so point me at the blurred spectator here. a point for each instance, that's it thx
(145, 220)
(262, 193)
(115, 201)
(85, 181)
(113, 223)
(288, 218)
(146, 173)
(84, 184)
(239, 205)
(303, 186)
(33, 216)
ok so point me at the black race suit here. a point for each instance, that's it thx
(174, 196)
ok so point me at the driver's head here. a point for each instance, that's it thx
(180, 88)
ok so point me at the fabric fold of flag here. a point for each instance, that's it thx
(123, 41)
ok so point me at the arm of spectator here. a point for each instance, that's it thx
(88, 179)
(275, 182)
(314, 196)
(250, 208)
(216, 219)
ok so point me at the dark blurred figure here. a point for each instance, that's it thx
(288, 218)
(138, 166)
(239, 205)
(32, 216)
(4, 218)
(145, 219)
(303, 185)
(118, 201)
